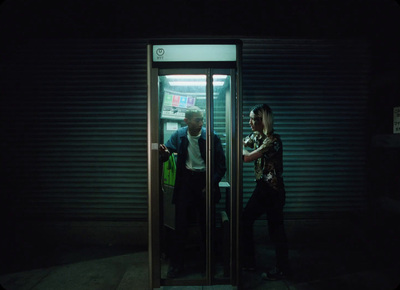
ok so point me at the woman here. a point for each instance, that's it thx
(269, 195)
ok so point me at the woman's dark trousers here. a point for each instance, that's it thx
(266, 200)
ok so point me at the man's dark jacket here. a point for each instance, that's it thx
(179, 143)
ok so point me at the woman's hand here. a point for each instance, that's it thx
(251, 156)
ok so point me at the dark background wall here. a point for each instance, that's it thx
(32, 30)
(373, 20)
(124, 19)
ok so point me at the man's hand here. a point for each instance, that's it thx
(164, 152)
(163, 149)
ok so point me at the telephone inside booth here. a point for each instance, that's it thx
(205, 77)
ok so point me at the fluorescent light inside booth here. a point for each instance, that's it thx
(194, 80)
(192, 83)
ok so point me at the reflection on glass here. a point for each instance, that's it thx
(221, 225)
(184, 177)
(182, 114)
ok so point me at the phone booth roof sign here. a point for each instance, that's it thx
(194, 52)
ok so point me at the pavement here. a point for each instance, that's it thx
(324, 255)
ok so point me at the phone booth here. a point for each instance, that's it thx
(205, 76)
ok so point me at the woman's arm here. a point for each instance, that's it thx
(251, 156)
(270, 147)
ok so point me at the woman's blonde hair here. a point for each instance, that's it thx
(264, 112)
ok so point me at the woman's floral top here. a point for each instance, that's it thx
(268, 168)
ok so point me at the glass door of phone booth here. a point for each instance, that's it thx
(194, 164)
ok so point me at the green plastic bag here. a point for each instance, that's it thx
(170, 171)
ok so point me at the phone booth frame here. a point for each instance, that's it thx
(194, 56)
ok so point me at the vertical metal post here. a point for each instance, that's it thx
(209, 163)
(153, 173)
(238, 165)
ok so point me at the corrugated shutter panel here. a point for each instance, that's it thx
(318, 92)
(76, 141)
(80, 129)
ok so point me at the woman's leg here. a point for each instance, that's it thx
(254, 209)
(276, 228)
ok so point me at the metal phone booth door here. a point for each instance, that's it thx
(194, 103)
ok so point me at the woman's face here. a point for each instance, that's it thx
(256, 123)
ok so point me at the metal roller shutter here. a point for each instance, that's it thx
(79, 130)
(318, 92)
(76, 142)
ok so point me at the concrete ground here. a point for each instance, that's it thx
(347, 255)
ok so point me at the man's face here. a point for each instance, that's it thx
(195, 123)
